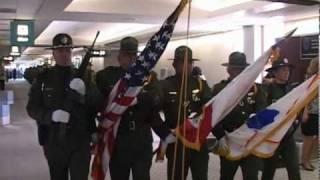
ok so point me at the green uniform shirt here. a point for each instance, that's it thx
(276, 91)
(198, 93)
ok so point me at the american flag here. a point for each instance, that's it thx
(123, 94)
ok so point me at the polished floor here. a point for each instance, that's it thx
(21, 158)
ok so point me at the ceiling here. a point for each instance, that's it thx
(140, 18)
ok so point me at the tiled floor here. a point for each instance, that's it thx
(21, 158)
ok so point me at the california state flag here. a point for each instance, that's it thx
(263, 132)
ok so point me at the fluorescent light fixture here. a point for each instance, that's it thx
(102, 53)
(211, 5)
(8, 58)
(271, 7)
(95, 52)
(238, 14)
(98, 53)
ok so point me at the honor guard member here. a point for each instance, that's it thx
(64, 135)
(198, 93)
(252, 102)
(133, 146)
(287, 151)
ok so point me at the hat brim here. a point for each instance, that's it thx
(130, 51)
(236, 66)
(57, 47)
(172, 59)
(278, 66)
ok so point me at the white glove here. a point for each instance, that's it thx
(170, 139)
(78, 85)
(60, 116)
(94, 138)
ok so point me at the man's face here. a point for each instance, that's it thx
(178, 66)
(126, 59)
(62, 56)
(282, 74)
(234, 71)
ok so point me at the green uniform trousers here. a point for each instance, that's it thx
(197, 161)
(289, 155)
(63, 160)
(131, 153)
(249, 167)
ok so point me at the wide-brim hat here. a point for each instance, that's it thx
(279, 63)
(62, 40)
(237, 59)
(129, 44)
(181, 51)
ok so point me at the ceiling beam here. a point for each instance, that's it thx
(108, 17)
(48, 12)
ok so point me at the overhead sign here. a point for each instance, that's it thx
(22, 32)
(309, 47)
(15, 51)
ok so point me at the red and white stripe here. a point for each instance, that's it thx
(120, 98)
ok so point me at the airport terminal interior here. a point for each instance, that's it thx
(213, 29)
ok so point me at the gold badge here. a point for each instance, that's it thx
(64, 40)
